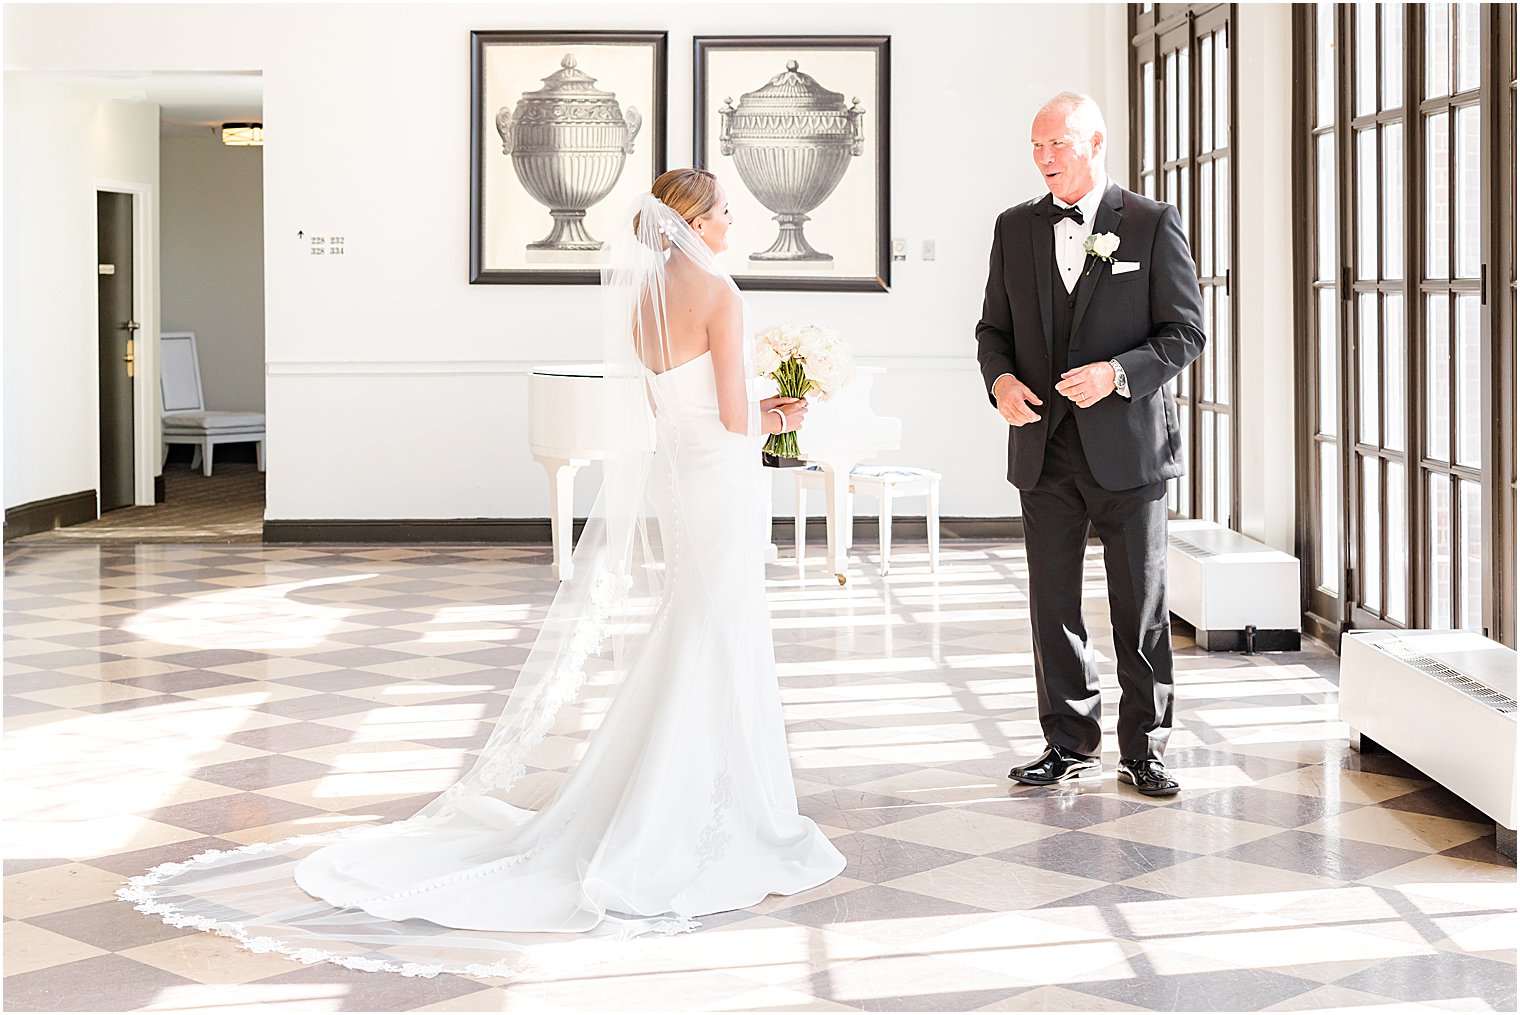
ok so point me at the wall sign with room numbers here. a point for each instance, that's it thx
(319, 246)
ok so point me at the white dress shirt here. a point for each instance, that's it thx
(1071, 256)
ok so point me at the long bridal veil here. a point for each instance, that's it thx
(533, 837)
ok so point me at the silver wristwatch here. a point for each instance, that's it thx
(1121, 380)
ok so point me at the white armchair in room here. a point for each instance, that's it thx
(185, 416)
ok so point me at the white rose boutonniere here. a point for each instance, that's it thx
(1102, 246)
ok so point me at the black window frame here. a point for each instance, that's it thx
(1156, 30)
(1329, 612)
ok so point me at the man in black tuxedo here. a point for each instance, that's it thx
(1077, 342)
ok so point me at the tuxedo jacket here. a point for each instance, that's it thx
(1149, 318)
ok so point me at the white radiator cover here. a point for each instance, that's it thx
(1220, 580)
(1445, 726)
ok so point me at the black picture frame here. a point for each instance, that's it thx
(860, 68)
(506, 220)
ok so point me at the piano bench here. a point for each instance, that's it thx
(885, 483)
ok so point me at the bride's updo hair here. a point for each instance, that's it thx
(690, 193)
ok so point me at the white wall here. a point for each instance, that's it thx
(60, 145)
(395, 389)
(212, 237)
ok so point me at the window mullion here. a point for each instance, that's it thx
(1417, 508)
(1492, 434)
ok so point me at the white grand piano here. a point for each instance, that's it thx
(569, 428)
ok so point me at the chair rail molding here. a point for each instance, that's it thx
(382, 368)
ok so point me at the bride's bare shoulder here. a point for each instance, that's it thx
(698, 288)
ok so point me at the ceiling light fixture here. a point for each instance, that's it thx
(242, 134)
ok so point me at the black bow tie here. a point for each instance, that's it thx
(1057, 213)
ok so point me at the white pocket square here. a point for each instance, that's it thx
(1124, 267)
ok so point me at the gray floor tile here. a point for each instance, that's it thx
(292, 736)
(1062, 806)
(102, 983)
(1327, 856)
(231, 813)
(368, 992)
(113, 926)
(1244, 989)
(316, 706)
(1436, 977)
(877, 859)
(1263, 806)
(183, 680)
(874, 902)
(1094, 856)
(137, 861)
(262, 773)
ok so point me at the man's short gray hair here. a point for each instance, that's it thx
(1082, 110)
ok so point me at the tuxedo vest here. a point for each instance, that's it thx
(1063, 307)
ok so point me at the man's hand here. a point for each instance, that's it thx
(1087, 385)
(1014, 400)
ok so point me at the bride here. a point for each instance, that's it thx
(638, 777)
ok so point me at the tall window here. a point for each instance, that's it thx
(1183, 119)
(1375, 271)
(1407, 490)
(1451, 298)
(1322, 514)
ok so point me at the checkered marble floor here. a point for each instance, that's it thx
(163, 700)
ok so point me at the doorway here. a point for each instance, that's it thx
(117, 328)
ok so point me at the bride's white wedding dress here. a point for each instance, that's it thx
(638, 779)
(683, 804)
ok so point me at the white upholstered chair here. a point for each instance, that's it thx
(185, 416)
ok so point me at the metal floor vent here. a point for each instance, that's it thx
(1191, 548)
(1461, 681)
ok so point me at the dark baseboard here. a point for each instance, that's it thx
(908, 528)
(1257, 641)
(158, 489)
(49, 514)
(536, 530)
(411, 530)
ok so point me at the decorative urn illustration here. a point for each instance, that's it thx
(791, 141)
(568, 143)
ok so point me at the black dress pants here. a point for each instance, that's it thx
(1131, 524)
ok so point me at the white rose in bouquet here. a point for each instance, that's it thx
(830, 369)
(811, 339)
(787, 336)
(767, 359)
(803, 360)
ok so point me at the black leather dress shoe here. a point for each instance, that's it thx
(1148, 775)
(1056, 765)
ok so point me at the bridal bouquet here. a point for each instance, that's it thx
(803, 359)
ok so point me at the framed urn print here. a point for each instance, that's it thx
(797, 130)
(566, 128)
